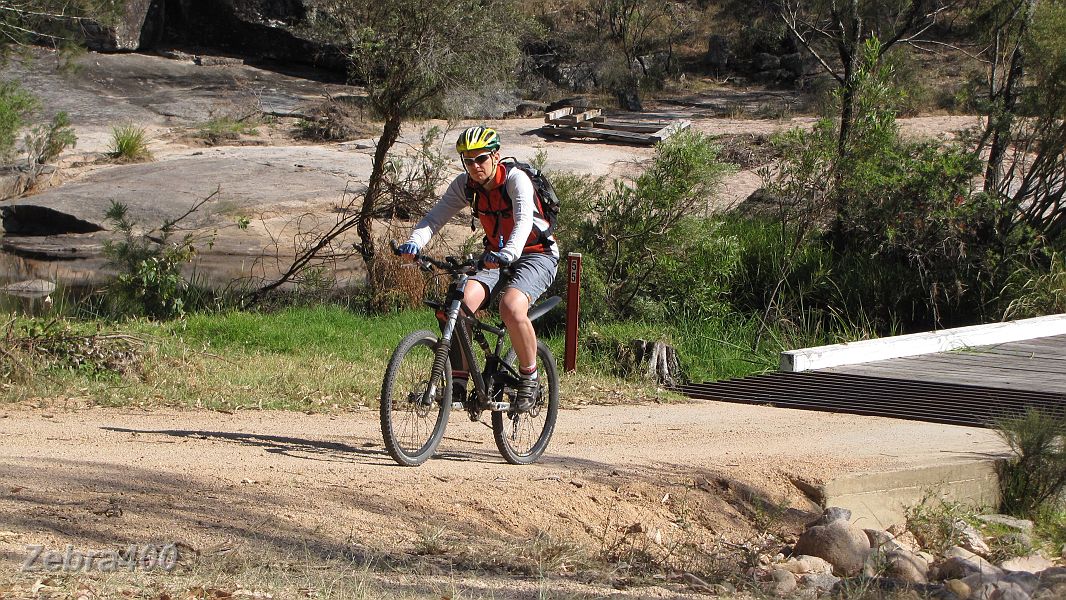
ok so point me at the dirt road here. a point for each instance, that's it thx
(322, 483)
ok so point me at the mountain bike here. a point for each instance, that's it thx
(416, 395)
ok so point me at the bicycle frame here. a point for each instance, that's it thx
(470, 329)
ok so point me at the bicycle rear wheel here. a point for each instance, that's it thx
(410, 426)
(522, 437)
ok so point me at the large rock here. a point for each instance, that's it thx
(906, 566)
(274, 30)
(803, 564)
(971, 538)
(844, 545)
(999, 590)
(248, 181)
(126, 32)
(960, 563)
(1033, 563)
(784, 583)
(1023, 525)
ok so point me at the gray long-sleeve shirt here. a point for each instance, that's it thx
(519, 190)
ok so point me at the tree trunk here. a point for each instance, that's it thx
(848, 49)
(389, 134)
(1001, 121)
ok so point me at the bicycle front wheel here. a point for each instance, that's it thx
(411, 424)
(522, 437)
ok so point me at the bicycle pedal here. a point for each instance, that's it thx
(499, 406)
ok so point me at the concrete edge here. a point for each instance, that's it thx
(821, 357)
(878, 500)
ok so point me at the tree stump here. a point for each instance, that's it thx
(655, 361)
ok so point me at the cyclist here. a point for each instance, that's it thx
(516, 235)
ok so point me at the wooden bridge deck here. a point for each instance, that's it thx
(1036, 365)
(974, 387)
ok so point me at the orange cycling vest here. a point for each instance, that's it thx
(494, 209)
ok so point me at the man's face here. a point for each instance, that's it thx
(481, 164)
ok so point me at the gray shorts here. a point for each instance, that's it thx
(533, 273)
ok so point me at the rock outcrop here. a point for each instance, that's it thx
(892, 561)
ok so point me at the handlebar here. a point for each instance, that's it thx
(451, 264)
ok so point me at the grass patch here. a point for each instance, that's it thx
(129, 143)
(320, 358)
(711, 349)
(223, 129)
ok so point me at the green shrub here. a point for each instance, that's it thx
(223, 129)
(907, 241)
(1034, 478)
(129, 143)
(149, 279)
(16, 105)
(45, 143)
(644, 248)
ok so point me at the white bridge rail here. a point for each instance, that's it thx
(822, 357)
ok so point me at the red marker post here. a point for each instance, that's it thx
(573, 309)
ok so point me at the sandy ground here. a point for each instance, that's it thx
(99, 478)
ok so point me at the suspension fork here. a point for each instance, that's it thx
(444, 346)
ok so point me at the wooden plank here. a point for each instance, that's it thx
(576, 119)
(557, 113)
(592, 132)
(670, 130)
(630, 127)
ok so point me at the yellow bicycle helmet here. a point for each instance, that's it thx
(477, 138)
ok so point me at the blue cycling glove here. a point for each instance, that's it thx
(492, 258)
(409, 248)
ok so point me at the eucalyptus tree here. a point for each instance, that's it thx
(412, 56)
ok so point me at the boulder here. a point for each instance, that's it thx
(127, 30)
(764, 61)
(795, 64)
(807, 564)
(878, 538)
(958, 587)
(1034, 563)
(784, 583)
(905, 566)
(961, 563)
(820, 582)
(1024, 525)
(842, 544)
(833, 513)
(1000, 590)
(1026, 581)
(971, 538)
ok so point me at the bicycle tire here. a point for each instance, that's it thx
(522, 438)
(405, 422)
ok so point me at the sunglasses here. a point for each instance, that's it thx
(479, 159)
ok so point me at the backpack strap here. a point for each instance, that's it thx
(543, 235)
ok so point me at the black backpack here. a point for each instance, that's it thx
(542, 188)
